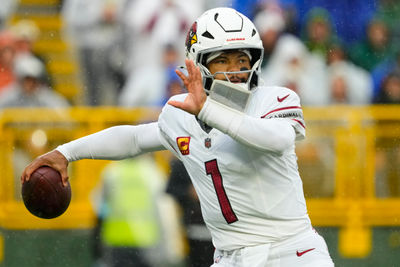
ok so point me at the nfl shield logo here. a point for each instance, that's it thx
(207, 142)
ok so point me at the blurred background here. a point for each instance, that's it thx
(69, 68)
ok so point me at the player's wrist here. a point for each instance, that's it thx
(202, 112)
(221, 117)
(63, 152)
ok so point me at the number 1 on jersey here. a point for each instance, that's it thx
(225, 205)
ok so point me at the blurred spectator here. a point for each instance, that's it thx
(201, 249)
(389, 65)
(138, 91)
(270, 25)
(389, 11)
(387, 157)
(375, 48)
(336, 53)
(7, 56)
(349, 83)
(26, 33)
(390, 90)
(151, 25)
(93, 27)
(28, 90)
(7, 8)
(319, 31)
(174, 86)
(292, 66)
(131, 219)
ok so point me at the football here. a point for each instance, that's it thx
(44, 194)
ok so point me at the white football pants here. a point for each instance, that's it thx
(305, 250)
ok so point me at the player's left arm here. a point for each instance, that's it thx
(273, 135)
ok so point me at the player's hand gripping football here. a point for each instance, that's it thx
(196, 97)
(53, 159)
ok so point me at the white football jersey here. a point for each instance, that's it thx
(248, 197)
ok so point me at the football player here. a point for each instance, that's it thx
(237, 142)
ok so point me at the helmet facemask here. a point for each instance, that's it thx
(248, 84)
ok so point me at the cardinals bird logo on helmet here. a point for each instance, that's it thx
(191, 37)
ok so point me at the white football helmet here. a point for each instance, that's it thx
(221, 29)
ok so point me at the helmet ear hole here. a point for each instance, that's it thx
(256, 54)
(254, 80)
(208, 82)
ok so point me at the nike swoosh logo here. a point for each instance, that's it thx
(280, 99)
(301, 253)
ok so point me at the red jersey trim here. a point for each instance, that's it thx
(279, 109)
(299, 122)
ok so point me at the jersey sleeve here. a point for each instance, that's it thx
(285, 104)
(114, 143)
(274, 136)
(169, 122)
